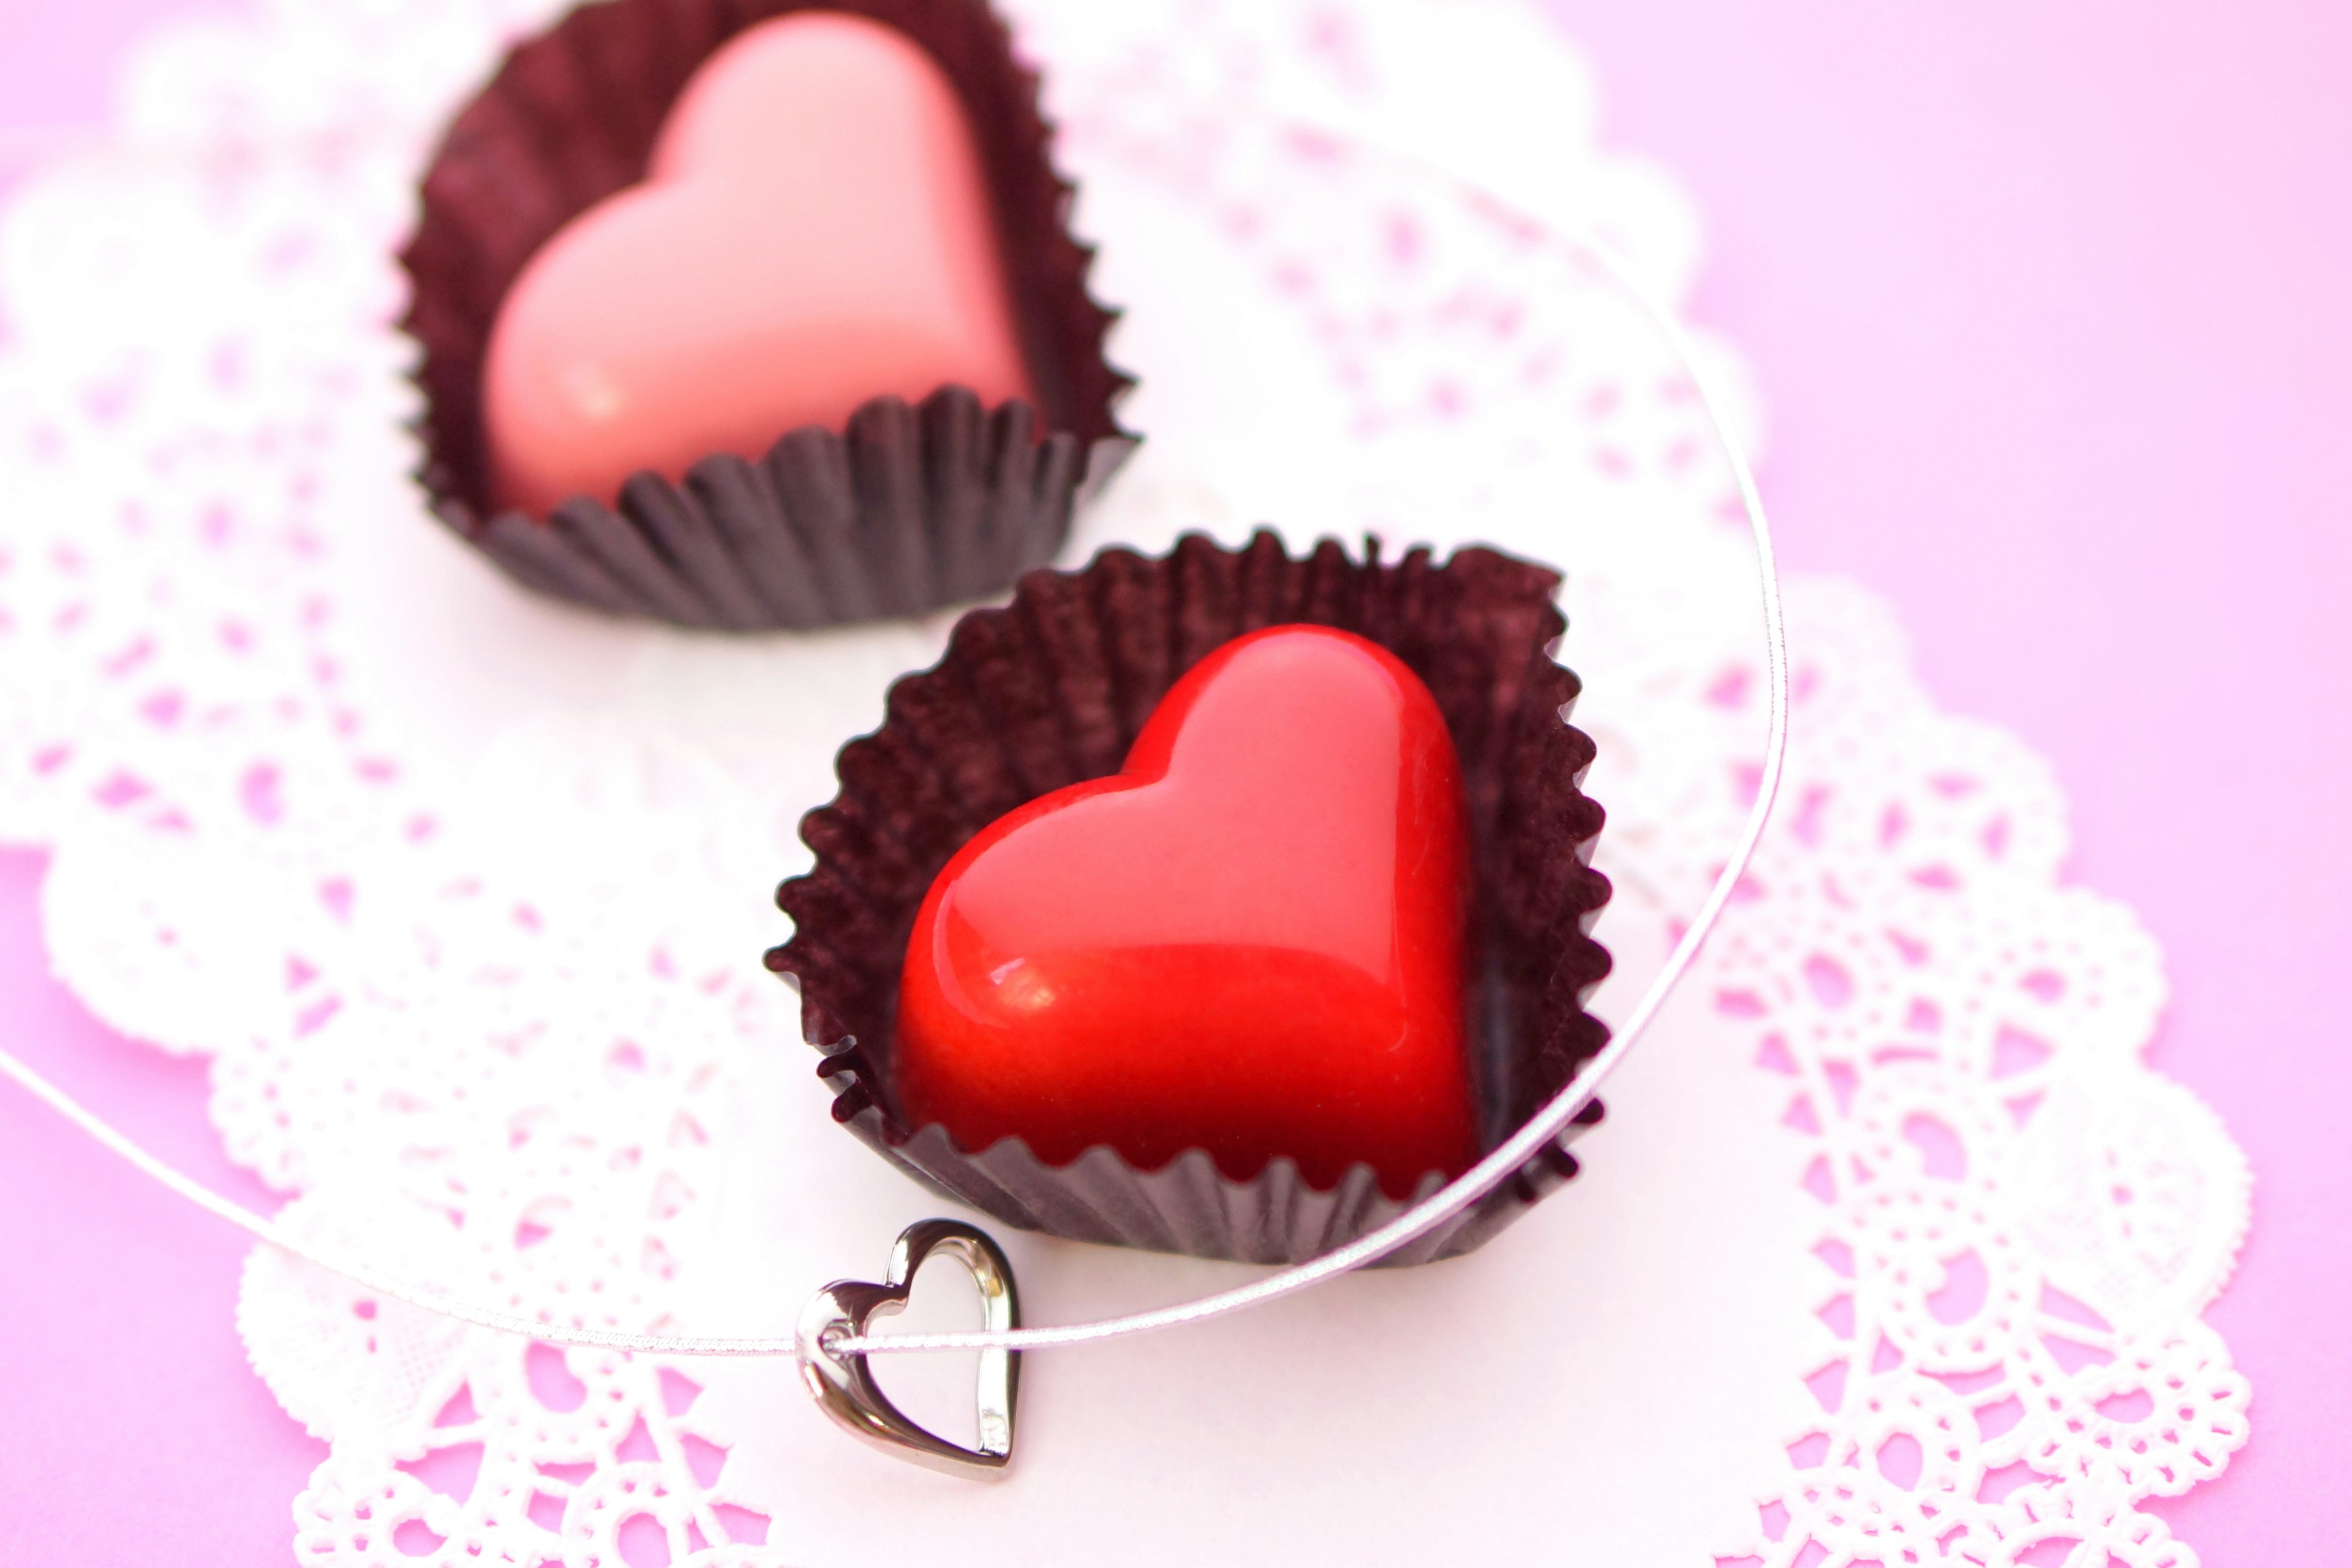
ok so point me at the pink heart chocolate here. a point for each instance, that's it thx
(814, 230)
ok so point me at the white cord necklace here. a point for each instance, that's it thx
(831, 1341)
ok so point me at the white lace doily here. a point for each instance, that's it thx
(1892, 1250)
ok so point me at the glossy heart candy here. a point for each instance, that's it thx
(814, 231)
(1249, 941)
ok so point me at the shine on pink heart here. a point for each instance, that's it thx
(814, 230)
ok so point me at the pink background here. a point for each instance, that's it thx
(2052, 309)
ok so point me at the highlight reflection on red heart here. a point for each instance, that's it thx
(1249, 941)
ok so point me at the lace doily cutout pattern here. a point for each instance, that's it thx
(2020, 1222)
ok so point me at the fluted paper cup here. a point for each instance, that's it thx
(1052, 688)
(906, 509)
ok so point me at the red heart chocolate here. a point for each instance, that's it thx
(814, 231)
(1250, 940)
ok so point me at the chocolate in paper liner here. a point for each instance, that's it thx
(1052, 688)
(904, 510)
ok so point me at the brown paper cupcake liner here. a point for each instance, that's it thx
(906, 511)
(1052, 690)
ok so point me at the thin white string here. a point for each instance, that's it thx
(365, 1276)
(1463, 1191)
(1548, 1124)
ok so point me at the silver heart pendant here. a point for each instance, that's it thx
(843, 1383)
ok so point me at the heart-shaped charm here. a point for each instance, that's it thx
(814, 230)
(843, 1383)
(1249, 941)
